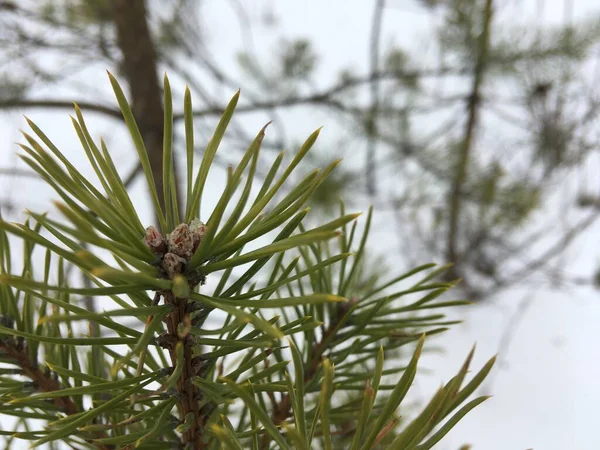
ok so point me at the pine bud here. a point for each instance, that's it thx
(198, 230)
(154, 241)
(181, 242)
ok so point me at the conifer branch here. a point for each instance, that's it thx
(282, 410)
(15, 349)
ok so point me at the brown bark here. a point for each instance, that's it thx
(189, 393)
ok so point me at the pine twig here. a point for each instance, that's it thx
(16, 350)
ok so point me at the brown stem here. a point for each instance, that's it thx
(339, 318)
(188, 392)
(16, 350)
(43, 381)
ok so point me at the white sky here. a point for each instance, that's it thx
(547, 396)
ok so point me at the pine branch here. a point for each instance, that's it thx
(185, 354)
(283, 408)
(16, 350)
(173, 262)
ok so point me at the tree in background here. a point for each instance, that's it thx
(464, 153)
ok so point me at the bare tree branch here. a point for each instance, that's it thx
(132, 175)
(325, 97)
(559, 246)
(59, 104)
(463, 160)
(14, 172)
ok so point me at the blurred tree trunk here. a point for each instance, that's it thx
(139, 64)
